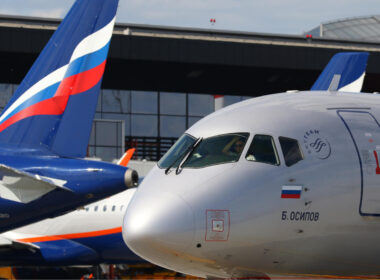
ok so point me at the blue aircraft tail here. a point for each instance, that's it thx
(54, 105)
(344, 72)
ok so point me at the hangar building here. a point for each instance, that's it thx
(358, 28)
(160, 80)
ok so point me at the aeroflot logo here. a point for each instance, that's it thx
(49, 96)
(316, 144)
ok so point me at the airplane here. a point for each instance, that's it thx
(283, 184)
(88, 236)
(45, 127)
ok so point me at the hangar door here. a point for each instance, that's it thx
(365, 133)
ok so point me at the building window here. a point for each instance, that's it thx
(172, 126)
(6, 91)
(125, 117)
(106, 141)
(107, 137)
(200, 104)
(144, 125)
(144, 102)
(115, 101)
(172, 103)
(231, 99)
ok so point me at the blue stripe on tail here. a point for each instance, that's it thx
(66, 132)
(349, 67)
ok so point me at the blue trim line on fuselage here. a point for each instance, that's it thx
(110, 249)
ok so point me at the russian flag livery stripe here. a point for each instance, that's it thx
(291, 192)
(53, 108)
(86, 66)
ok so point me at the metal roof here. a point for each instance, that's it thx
(170, 32)
(359, 28)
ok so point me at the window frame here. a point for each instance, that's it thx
(237, 160)
(274, 149)
(159, 163)
(299, 148)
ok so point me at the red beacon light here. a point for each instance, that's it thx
(212, 20)
(309, 36)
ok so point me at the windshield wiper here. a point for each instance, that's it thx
(189, 149)
(187, 156)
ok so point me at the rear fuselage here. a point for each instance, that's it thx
(84, 181)
(87, 236)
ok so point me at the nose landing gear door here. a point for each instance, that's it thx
(365, 133)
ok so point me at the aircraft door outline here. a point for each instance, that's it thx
(366, 139)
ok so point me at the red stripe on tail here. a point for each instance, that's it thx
(57, 104)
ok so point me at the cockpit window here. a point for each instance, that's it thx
(176, 152)
(263, 149)
(291, 150)
(217, 150)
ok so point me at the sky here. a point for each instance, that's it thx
(264, 16)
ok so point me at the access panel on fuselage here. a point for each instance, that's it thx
(365, 133)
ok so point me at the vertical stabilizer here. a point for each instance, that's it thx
(344, 72)
(54, 106)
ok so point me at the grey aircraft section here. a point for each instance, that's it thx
(281, 184)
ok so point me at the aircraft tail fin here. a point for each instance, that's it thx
(124, 160)
(54, 105)
(344, 72)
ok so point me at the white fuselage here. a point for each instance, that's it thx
(95, 228)
(318, 214)
(101, 215)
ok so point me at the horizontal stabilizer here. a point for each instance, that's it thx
(10, 244)
(24, 187)
(62, 251)
(344, 72)
(5, 241)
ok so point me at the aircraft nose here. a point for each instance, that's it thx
(158, 228)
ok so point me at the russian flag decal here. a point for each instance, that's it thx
(291, 191)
